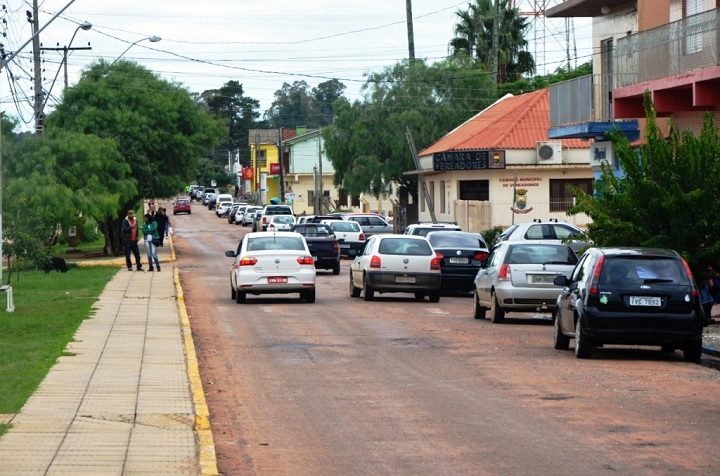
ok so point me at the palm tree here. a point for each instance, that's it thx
(473, 37)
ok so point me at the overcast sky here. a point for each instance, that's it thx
(261, 44)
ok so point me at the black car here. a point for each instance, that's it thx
(461, 255)
(323, 245)
(630, 296)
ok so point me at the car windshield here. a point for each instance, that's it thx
(541, 254)
(275, 243)
(451, 240)
(628, 270)
(404, 246)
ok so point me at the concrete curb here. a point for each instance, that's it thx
(208, 458)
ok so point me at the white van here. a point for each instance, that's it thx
(223, 203)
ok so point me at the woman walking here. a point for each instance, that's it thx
(152, 238)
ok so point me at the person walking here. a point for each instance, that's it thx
(162, 221)
(152, 238)
(130, 233)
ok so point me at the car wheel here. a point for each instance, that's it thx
(368, 291)
(478, 310)
(497, 314)
(419, 296)
(583, 343)
(336, 268)
(561, 341)
(233, 292)
(434, 296)
(692, 351)
(240, 297)
(308, 296)
(354, 292)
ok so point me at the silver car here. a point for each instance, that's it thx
(518, 276)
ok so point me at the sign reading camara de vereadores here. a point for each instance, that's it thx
(469, 160)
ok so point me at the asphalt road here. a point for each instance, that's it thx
(395, 386)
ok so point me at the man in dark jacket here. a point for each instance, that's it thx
(130, 234)
(162, 220)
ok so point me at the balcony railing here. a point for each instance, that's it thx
(578, 101)
(669, 50)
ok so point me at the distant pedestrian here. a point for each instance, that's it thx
(152, 238)
(163, 222)
(130, 234)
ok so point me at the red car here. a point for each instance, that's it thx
(182, 205)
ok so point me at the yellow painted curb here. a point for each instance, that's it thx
(208, 458)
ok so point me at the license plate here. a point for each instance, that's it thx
(344, 246)
(645, 301)
(277, 280)
(405, 279)
(542, 278)
(459, 261)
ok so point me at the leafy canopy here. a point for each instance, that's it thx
(668, 197)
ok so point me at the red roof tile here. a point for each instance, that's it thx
(512, 122)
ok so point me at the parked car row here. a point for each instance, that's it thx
(608, 296)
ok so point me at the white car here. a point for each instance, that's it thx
(349, 235)
(393, 263)
(552, 230)
(246, 217)
(280, 222)
(222, 206)
(272, 263)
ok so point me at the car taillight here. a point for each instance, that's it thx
(361, 237)
(596, 275)
(695, 291)
(375, 262)
(439, 255)
(435, 263)
(504, 272)
(264, 220)
(481, 256)
(336, 247)
(247, 261)
(306, 260)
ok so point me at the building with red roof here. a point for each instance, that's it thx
(499, 168)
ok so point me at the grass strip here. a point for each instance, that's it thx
(49, 308)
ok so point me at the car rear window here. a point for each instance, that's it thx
(345, 226)
(313, 229)
(628, 270)
(275, 243)
(404, 246)
(541, 254)
(450, 240)
(278, 210)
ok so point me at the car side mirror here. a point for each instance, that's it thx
(230, 254)
(561, 280)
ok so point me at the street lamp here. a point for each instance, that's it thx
(85, 26)
(151, 39)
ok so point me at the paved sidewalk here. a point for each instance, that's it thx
(127, 398)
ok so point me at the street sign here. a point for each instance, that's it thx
(290, 196)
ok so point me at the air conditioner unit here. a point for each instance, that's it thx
(549, 153)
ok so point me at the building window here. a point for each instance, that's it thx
(474, 190)
(261, 158)
(442, 196)
(561, 198)
(693, 40)
(355, 201)
(431, 193)
(311, 197)
(342, 198)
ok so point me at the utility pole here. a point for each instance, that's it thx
(65, 50)
(282, 167)
(411, 35)
(495, 40)
(38, 103)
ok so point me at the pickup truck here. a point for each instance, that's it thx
(323, 245)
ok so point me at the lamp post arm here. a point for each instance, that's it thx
(12, 56)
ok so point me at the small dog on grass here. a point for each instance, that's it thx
(58, 264)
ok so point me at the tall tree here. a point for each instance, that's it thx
(474, 38)
(299, 105)
(160, 131)
(667, 197)
(239, 112)
(367, 143)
